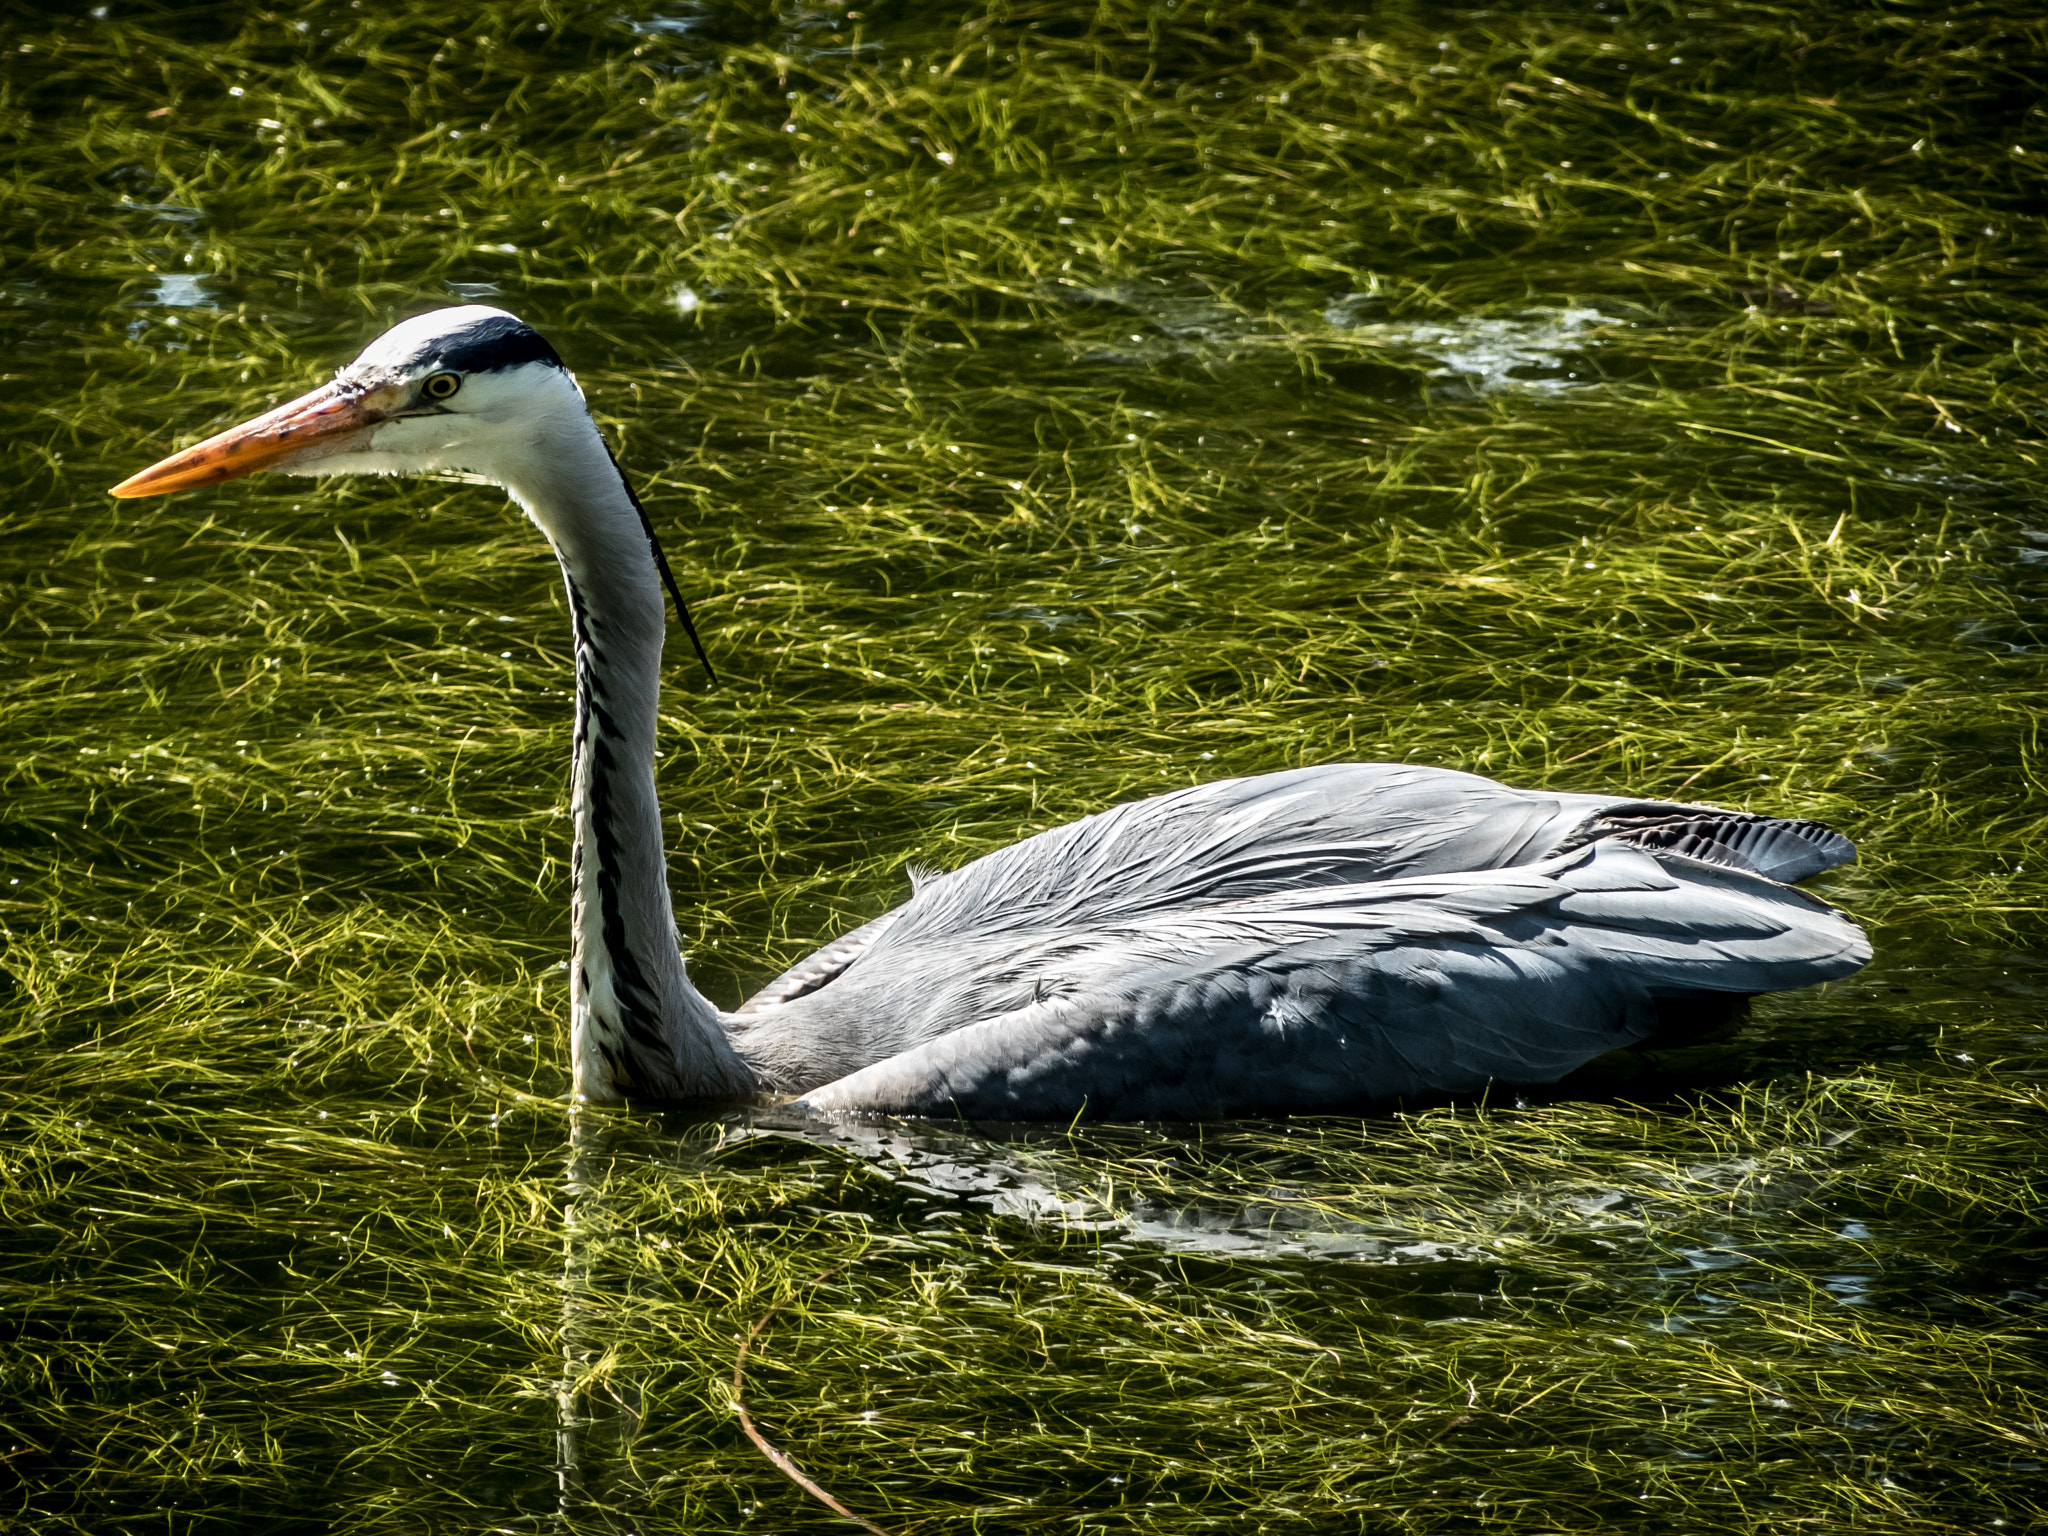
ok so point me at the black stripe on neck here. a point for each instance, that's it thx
(639, 1004)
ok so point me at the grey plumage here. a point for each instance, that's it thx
(1319, 937)
(1302, 940)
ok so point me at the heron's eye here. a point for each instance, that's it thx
(441, 386)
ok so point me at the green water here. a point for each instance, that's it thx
(1043, 412)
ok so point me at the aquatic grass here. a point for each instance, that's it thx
(1040, 412)
(1743, 1306)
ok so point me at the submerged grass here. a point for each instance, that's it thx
(1045, 410)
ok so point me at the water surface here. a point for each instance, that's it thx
(1044, 411)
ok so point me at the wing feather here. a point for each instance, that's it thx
(1314, 996)
(1340, 824)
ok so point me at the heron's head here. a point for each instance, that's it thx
(470, 389)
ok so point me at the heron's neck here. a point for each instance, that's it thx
(638, 1027)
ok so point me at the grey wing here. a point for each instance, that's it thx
(1317, 998)
(1335, 825)
(815, 970)
(1211, 842)
(1339, 824)
(1235, 838)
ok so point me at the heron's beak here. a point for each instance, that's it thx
(327, 421)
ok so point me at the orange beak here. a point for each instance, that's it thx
(310, 427)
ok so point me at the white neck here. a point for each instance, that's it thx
(638, 1026)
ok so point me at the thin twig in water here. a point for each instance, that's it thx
(781, 1462)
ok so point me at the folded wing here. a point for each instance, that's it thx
(1323, 995)
(1227, 841)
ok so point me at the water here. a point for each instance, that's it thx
(1040, 413)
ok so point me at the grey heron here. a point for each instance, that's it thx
(1300, 940)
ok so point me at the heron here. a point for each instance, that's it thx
(1310, 939)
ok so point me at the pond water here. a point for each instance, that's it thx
(1045, 410)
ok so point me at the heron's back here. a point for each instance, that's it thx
(1323, 892)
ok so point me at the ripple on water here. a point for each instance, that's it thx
(1532, 351)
